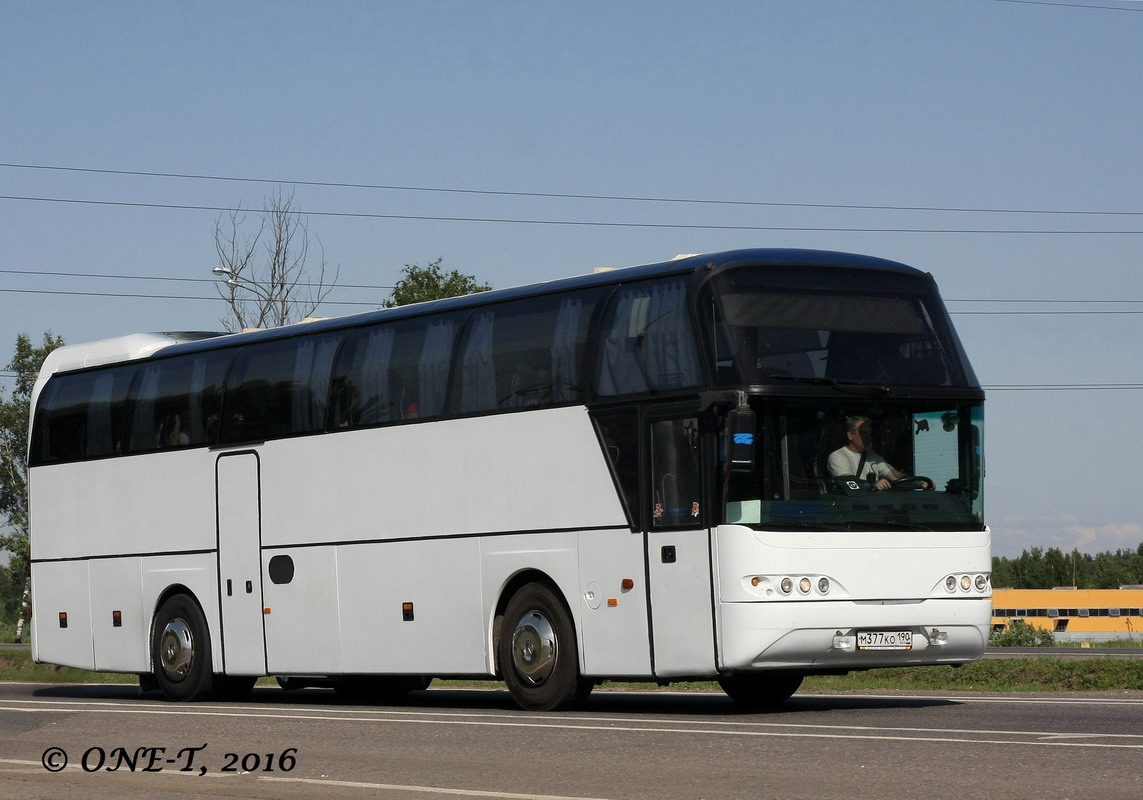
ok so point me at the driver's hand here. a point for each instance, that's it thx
(882, 485)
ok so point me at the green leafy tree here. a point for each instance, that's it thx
(1035, 569)
(14, 409)
(420, 284)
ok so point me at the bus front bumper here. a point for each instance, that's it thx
(852, 635)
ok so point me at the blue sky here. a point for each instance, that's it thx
(963, 104)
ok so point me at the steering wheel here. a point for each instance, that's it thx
(913, 482)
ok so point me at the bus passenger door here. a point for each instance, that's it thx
(678, 552)
(240, 564)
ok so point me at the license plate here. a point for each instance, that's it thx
(884, 640)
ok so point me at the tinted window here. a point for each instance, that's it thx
(278, 388)
(524, 354)
(649, 342)
(177, 402)
(847, 325)
(619, 436)
(676, 473)
(393, 372)
(83, 415)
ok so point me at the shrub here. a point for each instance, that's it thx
(1021, 634)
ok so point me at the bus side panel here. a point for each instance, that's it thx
(443, 633)
(117, 586)
(535, 470)
(681, 613)
(614, 640)
(303, 634)
(79, 509)
(61, 587)
(554, 555)
(193, 574)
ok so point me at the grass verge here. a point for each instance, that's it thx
(990, 675)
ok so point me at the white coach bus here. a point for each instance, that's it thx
(631, 474)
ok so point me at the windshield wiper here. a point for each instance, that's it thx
(844, 386)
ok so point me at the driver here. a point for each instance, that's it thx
(858, 460)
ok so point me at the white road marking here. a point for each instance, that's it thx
(428, 789)
(597, 723)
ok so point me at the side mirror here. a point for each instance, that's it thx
(740, 439)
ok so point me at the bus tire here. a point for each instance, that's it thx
(538, 655)
(180, 650)
(760, 689)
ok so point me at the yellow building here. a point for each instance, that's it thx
(1072, 613)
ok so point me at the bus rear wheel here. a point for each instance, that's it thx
(537, 652)
(180, 650)
(760, 689)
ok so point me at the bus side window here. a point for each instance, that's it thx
(524, 353)
(676, 473)
(107, 413)
(647, 341)
(619, 438)
(279, 388)
(61, 421)
(361, 392)
(174, 401)
(419, 365)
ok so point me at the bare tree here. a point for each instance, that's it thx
(265, 269)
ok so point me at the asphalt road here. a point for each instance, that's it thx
(476, 744)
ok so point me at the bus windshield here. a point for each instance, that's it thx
(870, 327)
(825, 464)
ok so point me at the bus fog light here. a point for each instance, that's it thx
(938, 638)
(804, 585)
(966, 583)
(787, 586)
(823, 585)
(981, 582)
(846, 643)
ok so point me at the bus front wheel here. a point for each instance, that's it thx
(538, 654)
(180, 650)
(760, 689)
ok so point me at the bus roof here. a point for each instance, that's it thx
(141, 345)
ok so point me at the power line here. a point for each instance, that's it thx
(586, 223)
(170, 278)
(140, 295)
(215, 281)
(1001, 300)
(1061, 387)
(1067, 5)
(566, 195)
(1072, 313)
(214, 299)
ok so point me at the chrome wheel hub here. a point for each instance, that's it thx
(534, 648)
(176, 649)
